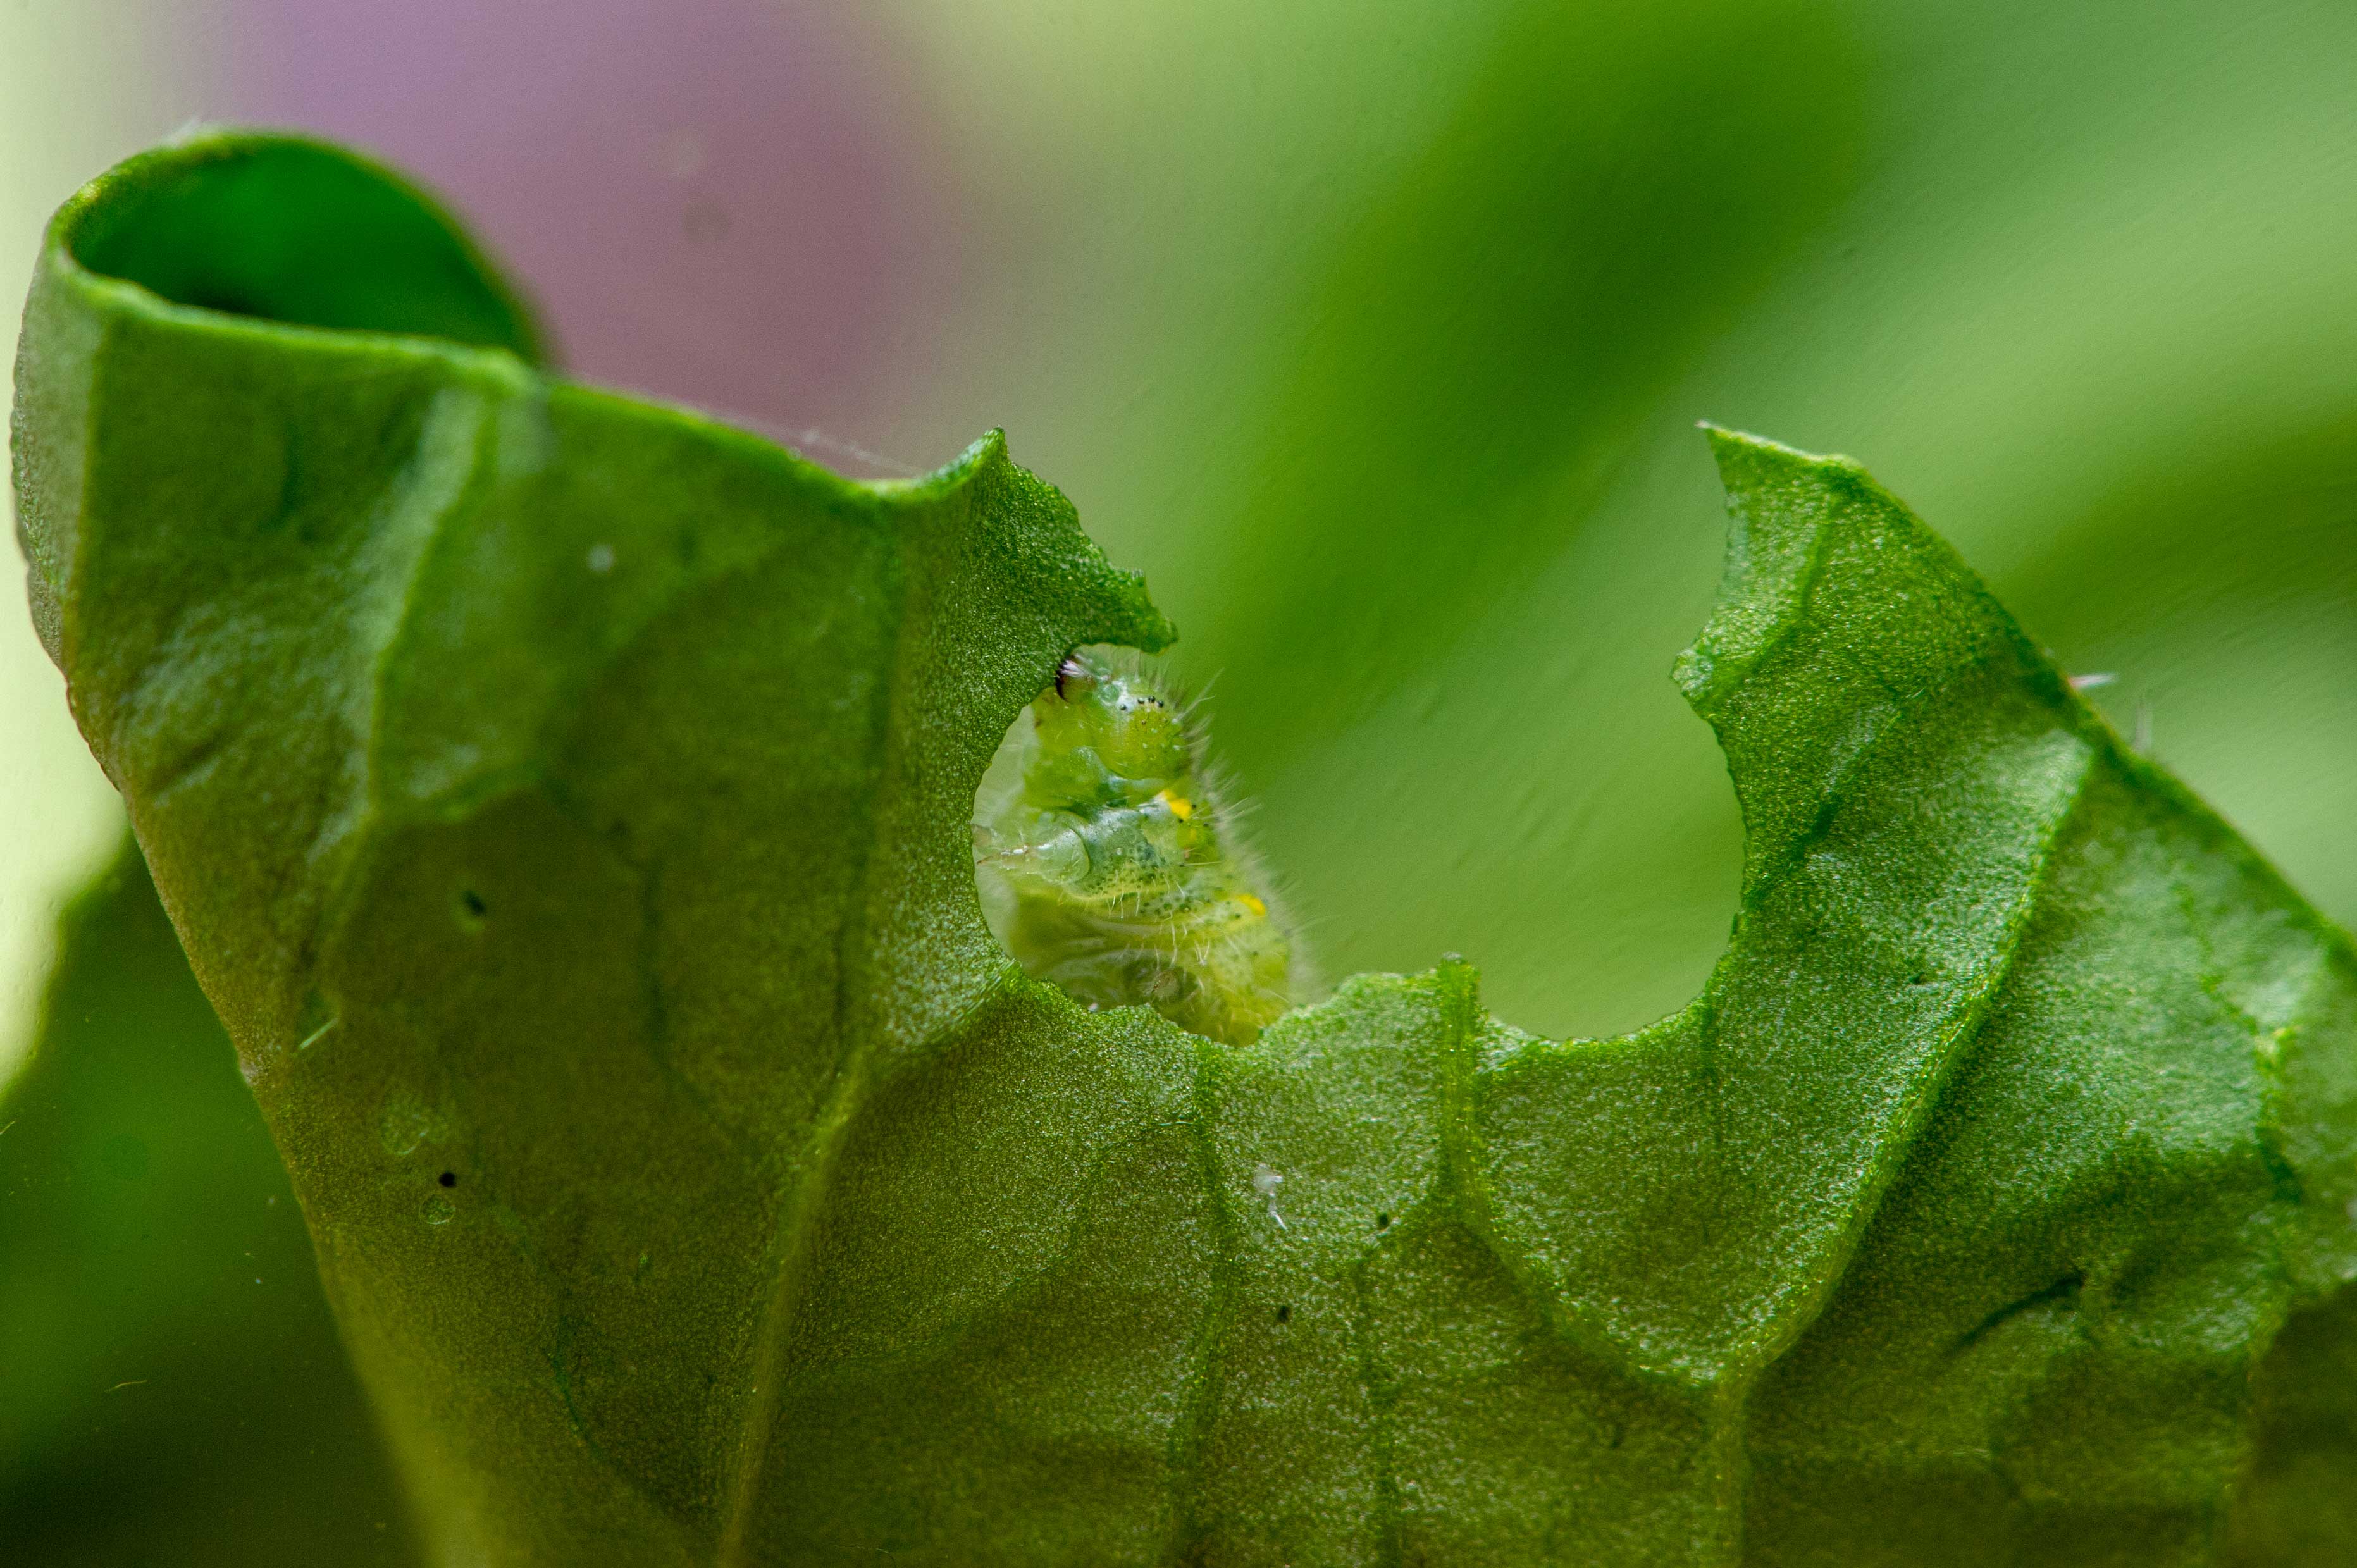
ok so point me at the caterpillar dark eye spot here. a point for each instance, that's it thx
(1106, 866)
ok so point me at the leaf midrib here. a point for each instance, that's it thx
(813, 1172)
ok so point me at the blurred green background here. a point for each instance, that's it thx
(1375, 334)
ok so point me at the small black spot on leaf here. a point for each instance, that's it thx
(448, 1178)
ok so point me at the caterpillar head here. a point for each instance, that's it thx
(1106, 739)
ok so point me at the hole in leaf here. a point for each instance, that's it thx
(448, 1178)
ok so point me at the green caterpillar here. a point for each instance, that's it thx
(1109, 865)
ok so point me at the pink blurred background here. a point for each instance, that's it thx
(754, 212)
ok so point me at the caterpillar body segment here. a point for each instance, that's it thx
(1110, 865)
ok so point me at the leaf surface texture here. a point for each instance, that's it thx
(565, 801)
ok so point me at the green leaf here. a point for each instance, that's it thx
(564, 800)
(174, 1388)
